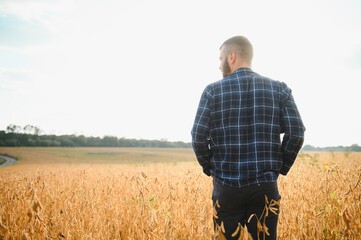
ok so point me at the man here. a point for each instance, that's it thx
(236, 138)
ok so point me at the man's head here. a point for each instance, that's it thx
(235, 53)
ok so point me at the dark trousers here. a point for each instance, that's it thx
(234, 205)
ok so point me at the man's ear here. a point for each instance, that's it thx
(231, 57)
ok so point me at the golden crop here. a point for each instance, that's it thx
(61, 194)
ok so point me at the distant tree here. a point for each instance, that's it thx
(28, 129)
(80, 140)
(12, 128)
(66, 141)
(11, 142)
(355, 148)
(36, 130)
(2, 138)
(308, 148)
(110, 141)
(93, 141)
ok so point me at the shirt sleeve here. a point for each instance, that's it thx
(200, 133)
(293, 129)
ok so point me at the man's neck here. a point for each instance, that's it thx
(238, 66)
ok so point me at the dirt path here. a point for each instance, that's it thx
(8, 160)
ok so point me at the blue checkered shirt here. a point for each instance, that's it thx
(237, 130)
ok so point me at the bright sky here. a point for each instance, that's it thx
(136, 69)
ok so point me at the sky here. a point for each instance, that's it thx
(136, 69)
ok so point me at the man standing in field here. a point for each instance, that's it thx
(236, 137)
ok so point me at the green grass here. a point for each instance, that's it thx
(2, 160)
(100, 155)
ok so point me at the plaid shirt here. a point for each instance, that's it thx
(236, 134)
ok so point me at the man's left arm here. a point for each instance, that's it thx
(200, 133)
(293, 128)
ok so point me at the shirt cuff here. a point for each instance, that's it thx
(284, 170)
(207, 171)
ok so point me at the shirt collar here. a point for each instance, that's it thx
(243, 69)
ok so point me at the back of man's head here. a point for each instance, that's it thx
(241, 46)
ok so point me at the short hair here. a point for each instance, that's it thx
(241, 46)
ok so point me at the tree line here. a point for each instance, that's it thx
(30, 136)
(352, 148)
